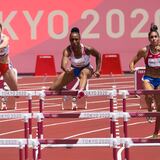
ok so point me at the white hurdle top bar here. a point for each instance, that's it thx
(113, 115)
(61, 92)
(81, 142)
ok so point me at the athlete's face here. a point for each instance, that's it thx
(75, 39)
(154, 38)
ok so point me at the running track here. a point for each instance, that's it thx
(80, 128)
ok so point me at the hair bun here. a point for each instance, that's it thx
(153, 27)
(75, 29)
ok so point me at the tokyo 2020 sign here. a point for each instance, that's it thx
(42, 27)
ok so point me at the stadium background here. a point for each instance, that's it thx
(42, 27)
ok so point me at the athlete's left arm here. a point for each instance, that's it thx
(97, 55)
(5, 41)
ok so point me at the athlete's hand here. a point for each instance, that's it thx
(132, 70)
(67, 70)
(132, 67)
(97, 74)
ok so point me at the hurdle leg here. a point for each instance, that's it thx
(87, 88)
(85, 102)
(21, 153)
(39, 125)
(111, 110)
(74, 103)
(34, 153)
(65, 98)
(41, 103)
(26, 137)
(127, 151)
(30, 119)
(115, 153)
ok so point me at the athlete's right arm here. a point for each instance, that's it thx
(64, 61)
(141, 54)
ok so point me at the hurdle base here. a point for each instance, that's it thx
(8, 104)
(69, 104)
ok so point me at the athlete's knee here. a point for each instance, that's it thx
(85, 74)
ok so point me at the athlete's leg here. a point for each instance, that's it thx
(11, 79)
(148, 98)
(63, 79)
(84, 75)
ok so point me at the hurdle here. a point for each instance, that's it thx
(113, 115)
(81, 142)
(28, 94)
(25, 117)
(39, 116)
(73, 101)
(125, 94)
(113, 142)
(14, 143)
(44, 93)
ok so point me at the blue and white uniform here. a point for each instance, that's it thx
(80, 63)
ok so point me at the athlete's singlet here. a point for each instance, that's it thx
(80, 62)
(152, 60)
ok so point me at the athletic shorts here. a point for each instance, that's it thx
(155, 82)
(77, 70)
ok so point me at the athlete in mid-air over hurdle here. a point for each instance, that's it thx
(79, 57)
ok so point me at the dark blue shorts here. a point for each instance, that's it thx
(77, 70)
(155, 82)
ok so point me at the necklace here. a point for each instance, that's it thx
(153, 49)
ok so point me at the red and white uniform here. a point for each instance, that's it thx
(80, 62)
(152, 59)
(3, 52)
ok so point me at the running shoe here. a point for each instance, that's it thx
(80, 94)
(149, 119)
(155, 136)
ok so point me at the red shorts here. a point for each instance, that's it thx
(3, 68)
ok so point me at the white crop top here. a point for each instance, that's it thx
(82, 61)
